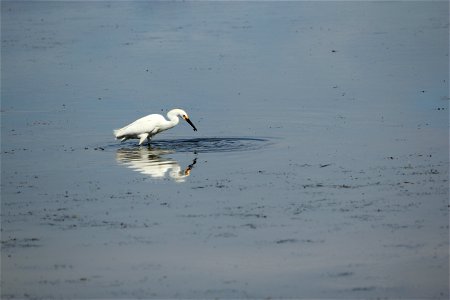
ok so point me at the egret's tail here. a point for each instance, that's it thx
(116, 133)
(119, 135)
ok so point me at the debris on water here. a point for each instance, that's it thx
(363, 289)
(284, 241)
(249, 225)
(342, 274)
(344, 186)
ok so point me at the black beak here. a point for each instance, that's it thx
(190, 123)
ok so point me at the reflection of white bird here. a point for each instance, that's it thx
(148, 126)
(150, 162)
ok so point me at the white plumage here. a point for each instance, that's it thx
(146, 127)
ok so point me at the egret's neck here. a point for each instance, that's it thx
(173, 118)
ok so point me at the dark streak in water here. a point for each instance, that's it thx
(202, 145)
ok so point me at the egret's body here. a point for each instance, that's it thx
(146, 127)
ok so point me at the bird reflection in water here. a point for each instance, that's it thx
(150, 161)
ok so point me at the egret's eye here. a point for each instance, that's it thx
(185, 117)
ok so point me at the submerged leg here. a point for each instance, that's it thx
(149, 139)
(142, 138)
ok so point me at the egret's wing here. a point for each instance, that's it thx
(142, 125)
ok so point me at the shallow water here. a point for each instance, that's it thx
(155, 159)
(319, 169)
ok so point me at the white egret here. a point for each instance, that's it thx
(148, 126)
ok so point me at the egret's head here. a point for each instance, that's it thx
(184, 115)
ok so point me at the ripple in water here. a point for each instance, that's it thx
(200, 145)
(211, 145)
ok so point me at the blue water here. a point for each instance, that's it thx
(319, 168)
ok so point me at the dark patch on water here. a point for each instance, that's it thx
(211, 145)
(363, 289)
(284, 241)
(197, 145)
(19, 243)
(341, 274)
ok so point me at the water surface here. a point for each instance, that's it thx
(319, 169)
